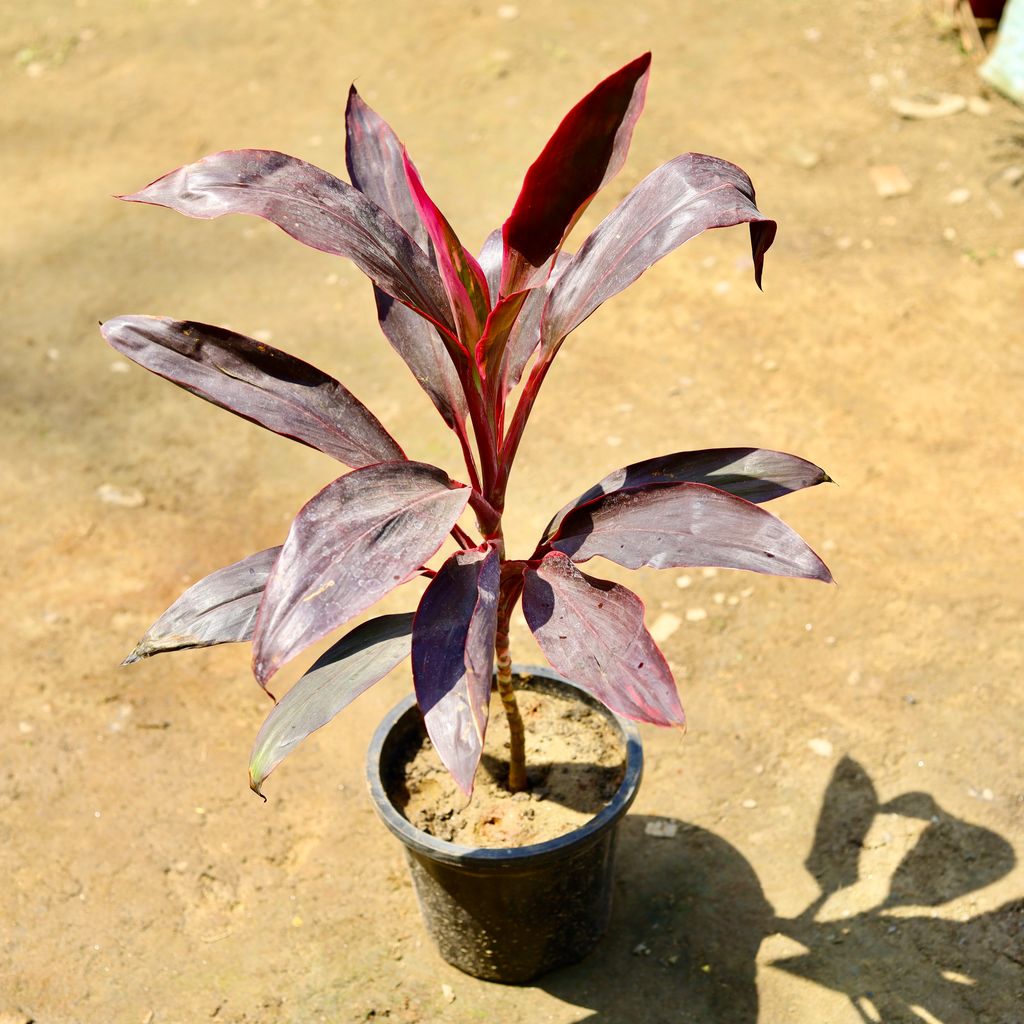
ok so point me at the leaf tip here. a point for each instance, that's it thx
(135, 656)
(254, 785)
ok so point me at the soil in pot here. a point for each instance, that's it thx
(576, 764)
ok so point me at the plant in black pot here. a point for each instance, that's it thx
(480, 335)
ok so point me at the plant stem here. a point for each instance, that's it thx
(517, 737)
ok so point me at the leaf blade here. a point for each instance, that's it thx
(261, 384)
(350, 667)
(593, 632)
(384, 522)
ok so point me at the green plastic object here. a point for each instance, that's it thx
(1004, 69)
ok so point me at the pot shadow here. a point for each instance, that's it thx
(690, 917)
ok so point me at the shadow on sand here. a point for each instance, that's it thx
(691, 915)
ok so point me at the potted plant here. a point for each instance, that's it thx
(471, 330)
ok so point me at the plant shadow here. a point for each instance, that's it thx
(691, 915)
(579, 785)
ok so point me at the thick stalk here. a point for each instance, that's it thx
(517, 736)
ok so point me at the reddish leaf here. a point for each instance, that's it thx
(679, 200)
(311, 205)
(260, 383)
(666, 525)
(585, 152)
(490, 262)
(490, 350)
(219, 609)
(359, 538)
(453, 657)
(463, 279)
(756, 474)
(593, 632)
(357, 661)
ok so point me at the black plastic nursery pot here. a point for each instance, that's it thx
(515, 913)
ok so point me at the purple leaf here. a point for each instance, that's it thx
(453, 657)
(219, 609)
(313, 206)
(460, 273)
(664, 525)
(259, 383)
(586, 151)
(593, 632)
(679, 200)
(756, 474)
(359, 538)
(357, 661)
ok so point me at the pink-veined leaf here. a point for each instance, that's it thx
(490, 349)
(312, 206)
(219, 609)
(453, 657)
(461, 275)
(593, 632)
(348, 668)
(685, 524)
(363, 535)
(257, 382)
(756, 474)
(586, 151)
(679, 200)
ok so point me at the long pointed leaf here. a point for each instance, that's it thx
(587, 149)
(679, 200)
(311, 205)
(352, 665)
(453, 658)
(219, 609)
(490, 262)
(687, 524)
(359, 538)
(756, 474)
(259, 383)
(593, 632)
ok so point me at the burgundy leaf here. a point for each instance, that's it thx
(359, 538)
(664, 525)
(490, 349)
(490, 262)
(357, 661)
(311, 205)
(756, 474)
(460, 273)
(593, 632)
(219, 609)
(679, 200)
(260, 383)
(585, 153)
(453, 657)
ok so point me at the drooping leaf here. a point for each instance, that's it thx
(490, 262)
(679, 200)
(311, 205)
(756, 474)
(593, 632)
(685, 524)
(586, 151)
(847, 811)
(460, 273)
(348, 668)
(219, 609)
(453, 657)
(259, 383)
(359, 538)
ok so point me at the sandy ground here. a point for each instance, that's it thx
(144, 884)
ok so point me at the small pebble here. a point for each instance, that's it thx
(264, 336)
(979, 106)
(1018, 258)
(941, 104)
(821, 747)
(448, 993)
(612, 441)
(890, 181)
(641, 949)
(746, 592)
(661, 828)
(949, 234)
(25, 728)
(958, 196)
(718, 598)
(682, 582)
(750, 804)
(709, 573)
(987, 794)
(696, 615)
(508, 12)
(732, 600)
(123, 497)
(664, 626)
(119, 367)
(812, 35)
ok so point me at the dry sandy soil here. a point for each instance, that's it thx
(144, 884)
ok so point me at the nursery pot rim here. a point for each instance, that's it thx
(505, 857)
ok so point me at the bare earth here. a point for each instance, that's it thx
(144, 884)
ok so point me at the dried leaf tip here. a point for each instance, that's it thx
(255, 787)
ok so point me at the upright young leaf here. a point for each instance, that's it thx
(756, 474)
(352, 665)
(359, 538)
(679, 200)
(313, 206)
(260, 383)
(219, 609)
(463, 279)
(453, 657)
(586, 151)
(593, 632)
(685, 524)
(490, 262)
